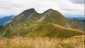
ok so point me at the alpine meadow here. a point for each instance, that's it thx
(28, 28)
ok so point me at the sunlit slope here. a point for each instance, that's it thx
(42, 42)
(48, 30)
(54, 30)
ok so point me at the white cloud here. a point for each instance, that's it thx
(66, 7)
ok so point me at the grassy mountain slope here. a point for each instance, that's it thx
(57, 18)
(49, 16)
(54, 30)
(40, 30)
(51, 23)
(48, 30)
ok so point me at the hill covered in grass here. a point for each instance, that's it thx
(54, 30)
(43, 30)
(49, 16)
(50, 29)
(51, 23)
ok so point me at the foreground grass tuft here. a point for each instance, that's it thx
(42, 42)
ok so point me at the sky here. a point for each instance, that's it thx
(73, 8)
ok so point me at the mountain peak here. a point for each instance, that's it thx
(31, 10)
(49, 16)
(50, 9)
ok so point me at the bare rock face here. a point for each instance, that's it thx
(26, 15)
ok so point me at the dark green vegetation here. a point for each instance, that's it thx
(51, 23)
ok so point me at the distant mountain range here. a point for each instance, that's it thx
(5, 20)
(78, 18)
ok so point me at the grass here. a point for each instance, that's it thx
(54, 30)
(50, 33)
(42, 42)
(44, 30)
(57, 18)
